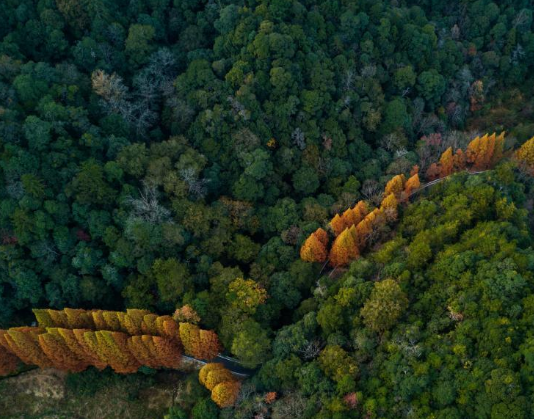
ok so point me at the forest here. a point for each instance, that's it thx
(337, 194)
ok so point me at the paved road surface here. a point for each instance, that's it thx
(232, 364)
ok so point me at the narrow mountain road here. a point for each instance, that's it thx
(230, 363)
(234, 365)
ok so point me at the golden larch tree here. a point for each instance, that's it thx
(167, 327)
(141, 350)
(498, 150)
(389, 205)
(216, 377)
(99, 320)
(112, 321)
(412, 184)
(149, 324)
(459, 161)
(322, 235)
(75, 341)
(337, 224)
(473, 150)
(167, 352)
(206, 369)
(345, 248)
(114, 347)
(55, 348)
(59, 318)
(225, 394)
(190, 337)
(8, 361)
(87, 340)
(525, 155)
(24, 343)
(210, 346)
(78, 319)
(313, 249)
(133, 321)
(446, 163)
(43, 317)
(395, 186)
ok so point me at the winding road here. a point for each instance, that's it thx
(231, 364)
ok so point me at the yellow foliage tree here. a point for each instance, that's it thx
(225, 394)
(216, 377)
(206, 369)
(43, 318)
(167, 352)
(24, 343)
(525, 155)
(412, 184)
(389, 206)
(446, 163)
(75, 341)
(190, 336)
(395, 186)
(56, 349)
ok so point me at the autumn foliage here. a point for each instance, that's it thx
(482, 153)
(221, 382)
(8, 361)
(525, 155)
(314, 248)
(412, 184)
(73, 340)
(353, 228)
(345, 248)
(201, 344)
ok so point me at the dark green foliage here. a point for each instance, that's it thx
(154, 151)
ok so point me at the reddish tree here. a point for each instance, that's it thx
(433, 172)
(186, 314)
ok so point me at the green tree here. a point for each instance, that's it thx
(138, 44)
(251, 344)
(385, 305)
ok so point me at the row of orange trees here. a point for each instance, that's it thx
(73, 339)
(350, 231)
(221, 382)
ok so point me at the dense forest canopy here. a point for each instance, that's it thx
(156, 154)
